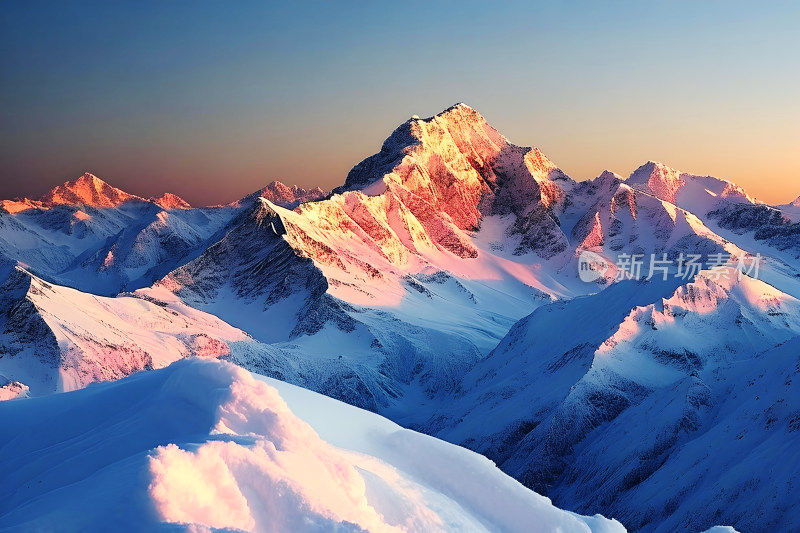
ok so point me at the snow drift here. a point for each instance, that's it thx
(204, 444)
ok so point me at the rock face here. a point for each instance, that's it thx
(283, 195)
(87, 190)
(642, 402)
(254, 265)
(55, 339)
(454, 168)
(439, 286)
(764, 223)
(170, 201)
(658, 179)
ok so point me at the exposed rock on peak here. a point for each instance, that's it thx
(608, 175)
(88, 190)
(658, 179)
(455, 168)
(284, 195)
(699, 194)
(170, 201)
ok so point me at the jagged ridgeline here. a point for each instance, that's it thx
(439, 286)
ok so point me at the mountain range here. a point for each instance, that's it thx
(439, 286)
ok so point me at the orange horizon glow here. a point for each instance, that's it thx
(212, 103)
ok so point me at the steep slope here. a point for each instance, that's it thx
(256, 281)
(94, 237)
(89, 235)
(55, 339)
(283, 195)
(413, 269)
(203, 445)
(632, 420)
(624, 220)
(726, 208)
(170, 201)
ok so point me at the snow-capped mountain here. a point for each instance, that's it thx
(417, 266)
(617, 218)
(439, 286)
(88, 190)
(283, 195)
(643, 401)
(203, 445)
(725, 207)
(57, 339)
(170, 201)
(94, 237)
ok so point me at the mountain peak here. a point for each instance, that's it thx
(284, 195)
(796, 202)
(458, 127)
(170, 201)
(608, 178)
(460, 107)
(87, 190)
(609, 175)
(460, 114)
(646, 171)
(659, 179)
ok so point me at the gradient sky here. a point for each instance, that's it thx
(212, 100)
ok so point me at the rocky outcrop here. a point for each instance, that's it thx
(283, 195)
(170, 201)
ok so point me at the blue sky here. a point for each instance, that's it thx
(212, 100)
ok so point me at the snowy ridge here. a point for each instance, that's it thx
(170, 201)
(438, 286)
(283, 195)
(57, 339)
(241, 459)
(88, 190)
(698, 194)
(94, 237)
(637, 420)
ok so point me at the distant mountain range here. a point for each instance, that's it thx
(439, 286)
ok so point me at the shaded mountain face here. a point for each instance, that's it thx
(724, 207)
(416, 266)
(439, 286)
(57, 339)
(658, 411)
(283, 195)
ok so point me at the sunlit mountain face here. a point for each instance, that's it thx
(626, 347)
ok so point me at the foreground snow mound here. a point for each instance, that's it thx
(205, 444)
